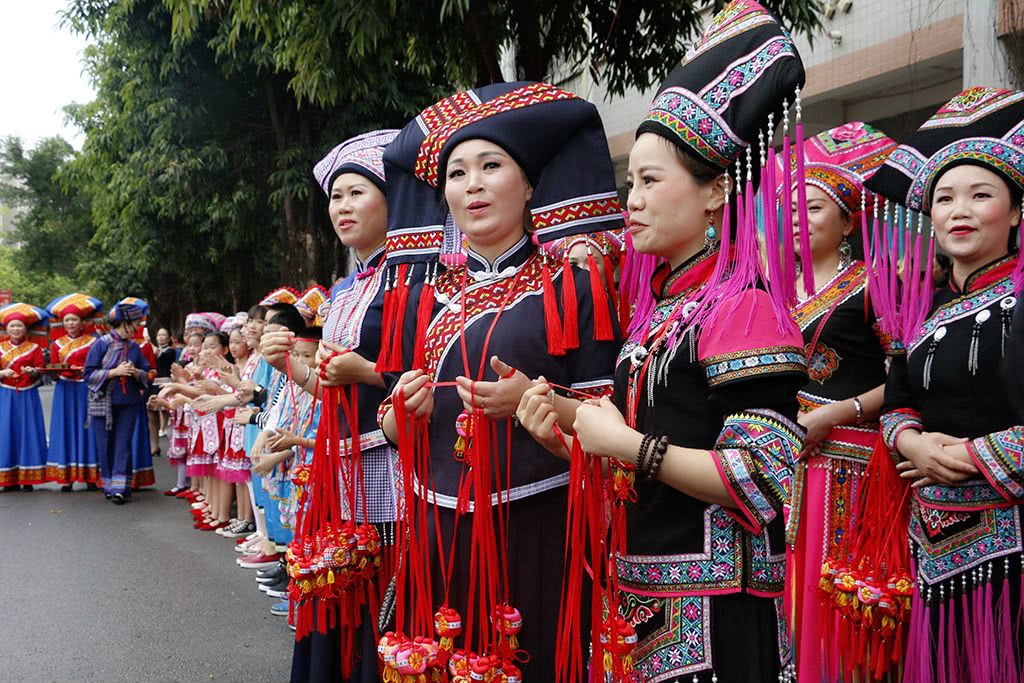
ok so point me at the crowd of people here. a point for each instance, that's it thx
(763, 424)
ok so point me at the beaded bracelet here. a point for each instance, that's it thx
(659, 450)
(643, 452)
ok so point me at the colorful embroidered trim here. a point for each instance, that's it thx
(718, 568)
(962, 307)
(452, 114)
(682, 645)
(999, 154)
(894, 422)
(844, 286)
(575, 213)
(1000, 457)
(421, 241)
(995, 533)
(697, 124)
(754, 453)
(966, 496)
(735, 18)
(772, 360)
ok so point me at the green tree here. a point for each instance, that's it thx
(53, 224)
(199, 158)
(624, 44)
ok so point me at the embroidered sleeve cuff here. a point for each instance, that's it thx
(999, 457)
(754, 456)
(893, 423)
(742, 365)
(594, 388)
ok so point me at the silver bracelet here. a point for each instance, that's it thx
(859, 408)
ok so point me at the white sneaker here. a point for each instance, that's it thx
(162, 432)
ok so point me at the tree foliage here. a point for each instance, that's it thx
(53, 225)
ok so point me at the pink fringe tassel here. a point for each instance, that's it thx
(801, 194)
(788, 251)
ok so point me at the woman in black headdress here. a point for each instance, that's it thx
(516, 164)
(947, 407)
(703, 418)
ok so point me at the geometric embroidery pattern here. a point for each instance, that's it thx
(451, 114)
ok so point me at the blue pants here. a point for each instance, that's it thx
(114, 448)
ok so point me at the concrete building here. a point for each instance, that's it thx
(890, 63)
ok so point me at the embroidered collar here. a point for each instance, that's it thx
(844, 285)
(372, 261)
(514, 257)
(9, 352)
(668, 282)
(986, 275)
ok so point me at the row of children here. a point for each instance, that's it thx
(241, 432)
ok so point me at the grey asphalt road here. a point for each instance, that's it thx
(90, 591)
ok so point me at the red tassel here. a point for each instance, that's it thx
(552, 324)
(571, 335)
(609, 281)
(423, 311)
(386, 327)
(401, 295)
(602, 317)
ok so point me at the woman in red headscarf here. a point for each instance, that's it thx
(22, 430)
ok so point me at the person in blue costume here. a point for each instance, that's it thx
(142, 447)
(72, 452)
(117, 375)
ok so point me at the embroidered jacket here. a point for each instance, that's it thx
(519, 339)
(353, 322)
(72, 351)
(17, 357)
(728, 388)
(849, 353)
(732, 391)
(951, 381)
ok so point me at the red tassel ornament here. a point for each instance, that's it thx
(571, 333)
(602, 316)
(552, 320)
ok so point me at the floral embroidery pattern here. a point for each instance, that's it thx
(822, 362)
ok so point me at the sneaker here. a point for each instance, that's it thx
(280, 583)
(242, 530)
(279, 609)
(258, 561)
(271, 576)
(162, 433)
(280, 593)
(172, 492)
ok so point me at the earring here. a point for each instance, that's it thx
(711, 234)
(845, 254)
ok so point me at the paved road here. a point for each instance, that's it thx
(90, 591)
